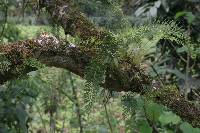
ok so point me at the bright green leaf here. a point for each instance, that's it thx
(169, 117)
(187, 128)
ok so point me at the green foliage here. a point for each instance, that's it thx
(170, 59)
(129, 103)
(141, 41)
(152, 110)
(145, 116)
(15, 97)
(4, 64)
(187, 128)
(95, 75)
(95, 71)
(136, 117)
(188, 16)
(106, 13)
(136, 43)
(34, 63)
(168, 118)
(10, 33)
(22, 115)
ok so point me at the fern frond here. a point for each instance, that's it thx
(140, 41)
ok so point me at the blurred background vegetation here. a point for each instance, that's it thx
(52, 99)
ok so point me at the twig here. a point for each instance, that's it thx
(78, 112)
(187, 71)
(107, 116)
(157, 74)
(43, 122)
(186, 76)
(68, 96)
(181, 57)
(63, 124)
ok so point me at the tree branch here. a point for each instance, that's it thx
(75, 23)
(53, 52)
(48, 50)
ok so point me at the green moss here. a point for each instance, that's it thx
(34, 63)
(154, 94)
(171, 97)
(4, 63)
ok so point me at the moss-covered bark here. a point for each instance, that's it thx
(62, 55)
(53, 52)
(170, 97)
(127, 76)
(47, 49)
(72, 20)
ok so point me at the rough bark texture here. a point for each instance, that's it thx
(124, 78)
(48, 50)
(53, 52)
(170, 97)
(63, 55)
(72, 20)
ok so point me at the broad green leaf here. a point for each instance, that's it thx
(168, 118)
(23, 117)
(144, 127)
(180, 14)
(181, 50)
(188, 16)
(187, 128)
(153, 111)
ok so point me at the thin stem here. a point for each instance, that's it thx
(52, 123)
(107, 116)
(181, 57)
(187, 70)
(63, 124)
(65, 94)
(43, 122)
(78, 111)
(186, 76)
(161, 81)
(51, 112)
(148, 120)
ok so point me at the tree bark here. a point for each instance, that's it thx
(54, 52)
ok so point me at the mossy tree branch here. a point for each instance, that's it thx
(72, 20)
(47, 49)
(67, 16)
(171, 97)
(53, 52)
